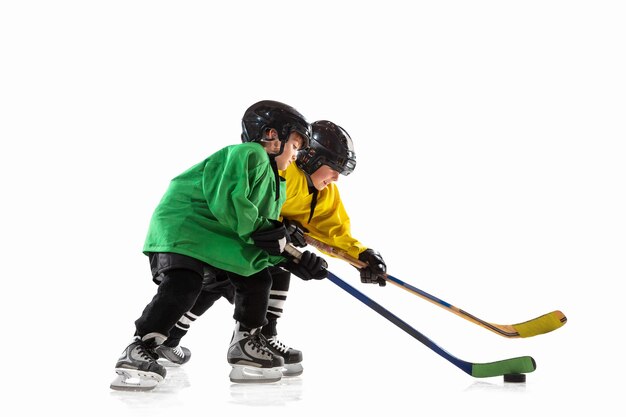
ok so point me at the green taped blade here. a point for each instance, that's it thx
(521, 365)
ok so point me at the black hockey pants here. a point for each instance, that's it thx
(180, 291)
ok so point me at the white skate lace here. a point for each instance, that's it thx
(278, 344)
(178, 351)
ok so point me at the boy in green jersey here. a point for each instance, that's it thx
(218, 220)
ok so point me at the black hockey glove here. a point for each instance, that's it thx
(296, 232)
(376, 268)
(309, 266)
(272, 240)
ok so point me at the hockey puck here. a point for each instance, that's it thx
(515, 378)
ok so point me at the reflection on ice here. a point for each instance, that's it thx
(279, 393)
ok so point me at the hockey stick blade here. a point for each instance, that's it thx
(539, 325)
(519, 365)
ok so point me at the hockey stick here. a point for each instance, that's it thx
(539, 325)
(520, 365)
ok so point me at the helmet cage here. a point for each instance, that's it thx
(313, 158)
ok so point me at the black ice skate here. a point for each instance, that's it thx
(178, 355)
(251, 359)
(137, 368)
(292, 357)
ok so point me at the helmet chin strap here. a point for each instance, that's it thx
(312, 191)
(282, 148)
(276, 176)
(274, 166)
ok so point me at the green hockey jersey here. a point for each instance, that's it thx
(209, 211)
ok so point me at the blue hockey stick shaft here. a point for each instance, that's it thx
(463, 365)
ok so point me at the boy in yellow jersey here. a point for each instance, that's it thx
(312, 206)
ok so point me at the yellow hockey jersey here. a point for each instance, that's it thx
(330, 222)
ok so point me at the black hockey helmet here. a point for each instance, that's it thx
(330, 145)
(269, 114)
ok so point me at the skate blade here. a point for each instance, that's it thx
(249, 375)
(131, 380)
(292, 369)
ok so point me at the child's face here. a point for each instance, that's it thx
(290, 151)
(323, 176)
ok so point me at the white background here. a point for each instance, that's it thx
(490, 173)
